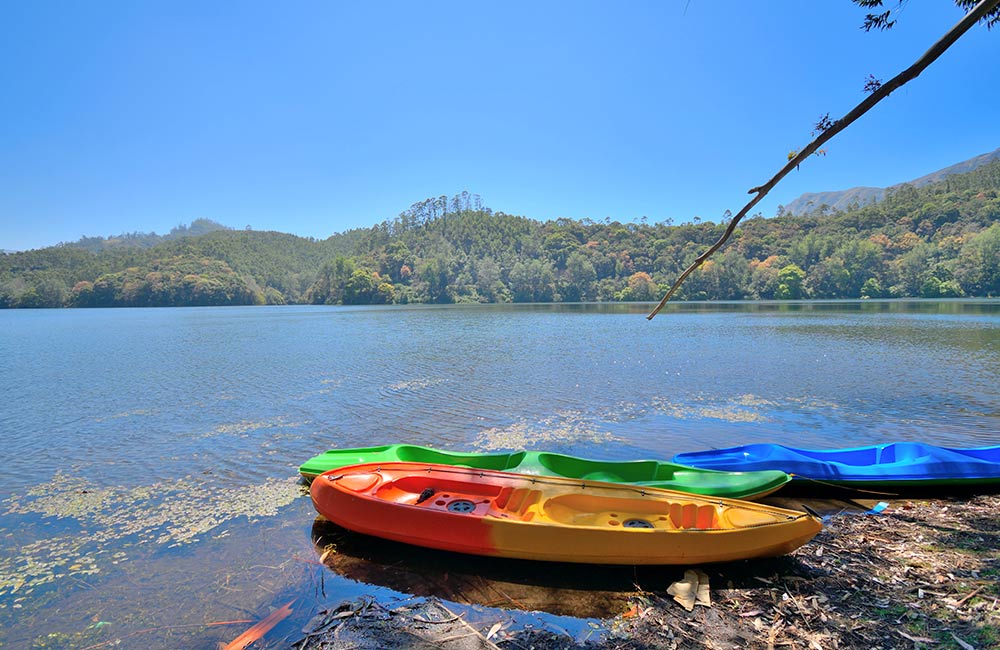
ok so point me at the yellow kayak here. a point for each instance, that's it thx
(486, 512)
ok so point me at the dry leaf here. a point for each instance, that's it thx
(704, 597)
(685, 591)
(692, 589)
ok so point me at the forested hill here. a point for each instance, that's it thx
(938, 240)
(147, 239)
(844, 199)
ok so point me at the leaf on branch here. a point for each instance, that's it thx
(824, 124)
(878, 21)
(991, 18)
(881, 21)
(872, 84)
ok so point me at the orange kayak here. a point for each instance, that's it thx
(499, 514)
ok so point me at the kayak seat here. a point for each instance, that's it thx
(515, 502)
(589, 510)
(691, 515)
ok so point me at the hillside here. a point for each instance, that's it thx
(147, 239)
(840, 200)
(938, 240)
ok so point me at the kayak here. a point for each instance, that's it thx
(896, 465)
(646, 473)
(551, 518)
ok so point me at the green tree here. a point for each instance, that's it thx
(532, 281)
(872, 289)
(328, 288)
(640, 287)
(580, 278)
(397, 256)
(790, 279)
(489, 284)
(829, 279)
(977, 268)
(764, 278)
(436, 273)
(360, 287)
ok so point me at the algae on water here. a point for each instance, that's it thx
(104, 522)
(562, 428)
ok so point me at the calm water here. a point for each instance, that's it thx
(148, 483)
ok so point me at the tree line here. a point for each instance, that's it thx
(938, 240)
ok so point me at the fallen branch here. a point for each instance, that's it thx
(931, 55)
(970, 595)
(261, 628)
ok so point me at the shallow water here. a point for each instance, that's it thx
(150, 455)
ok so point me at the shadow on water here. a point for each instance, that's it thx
(557, 588)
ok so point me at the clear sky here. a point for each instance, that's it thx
(317, 117)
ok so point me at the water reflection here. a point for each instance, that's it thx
(555, 588)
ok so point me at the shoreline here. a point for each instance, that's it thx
(923, 572)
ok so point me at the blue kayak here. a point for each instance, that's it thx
(892, 466)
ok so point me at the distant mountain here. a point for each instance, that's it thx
(841, 200)
(197, 228)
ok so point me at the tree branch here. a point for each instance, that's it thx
(936, 50)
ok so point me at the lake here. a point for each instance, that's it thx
(149, 486)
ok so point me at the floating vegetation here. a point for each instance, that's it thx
(106, 521)
(329, 385)
(739, 408)
(126, 414)
(571, 427)
(745, 408)
(246, 426)
(563, 428)
(416, 384)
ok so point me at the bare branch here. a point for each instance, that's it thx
(931, 55)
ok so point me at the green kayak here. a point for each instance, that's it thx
(646, 473)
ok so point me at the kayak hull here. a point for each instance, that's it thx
(499, 514)
(892, 466)
(646, 473)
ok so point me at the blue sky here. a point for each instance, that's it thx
(317, 117)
